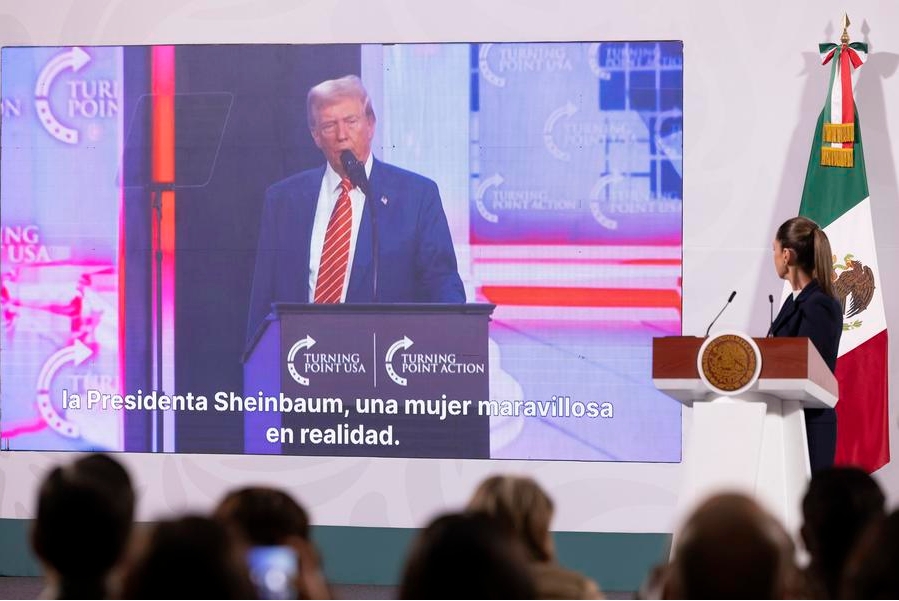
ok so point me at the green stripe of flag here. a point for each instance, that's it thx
(831, 191)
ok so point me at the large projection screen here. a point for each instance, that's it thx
(560, 171)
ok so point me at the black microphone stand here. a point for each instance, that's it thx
(355, 170)
(771, 315)
(156, 191)
(373, 216)
(209, 112)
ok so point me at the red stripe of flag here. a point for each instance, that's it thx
(848, 115)
(863, 410)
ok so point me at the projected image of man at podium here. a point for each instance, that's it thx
(802, 257)
(355, 229)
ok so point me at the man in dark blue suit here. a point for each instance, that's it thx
(416, 260)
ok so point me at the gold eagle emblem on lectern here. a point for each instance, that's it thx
(854, 286)
(728, 362)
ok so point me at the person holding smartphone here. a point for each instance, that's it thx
(283, 562)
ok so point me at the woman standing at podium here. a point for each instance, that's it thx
(802, 257)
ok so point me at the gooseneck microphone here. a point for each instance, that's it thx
(709, 329)
(356, 172)
(771, 303)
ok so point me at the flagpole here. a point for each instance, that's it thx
(844, 39)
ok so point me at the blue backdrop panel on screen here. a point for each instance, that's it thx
(61, 135)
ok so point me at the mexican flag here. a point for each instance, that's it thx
(836, 197)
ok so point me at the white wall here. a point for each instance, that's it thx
(753, 88)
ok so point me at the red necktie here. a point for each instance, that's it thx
(336, 251)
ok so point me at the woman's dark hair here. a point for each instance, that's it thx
(84, 517)
(730, 548)
(872, 571)
(263, 515)
(466, 556)
(839, 504)
(813, 254)
(189, 558)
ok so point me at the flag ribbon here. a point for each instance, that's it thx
(839, 125)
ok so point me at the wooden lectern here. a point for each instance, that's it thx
(748, 428)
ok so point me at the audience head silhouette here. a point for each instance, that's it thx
(84, 517)
(524, 511)
(188, 558)
(872, 570)
(465, 556)
(839, 504)
(730, 548)
(522, 508)
(268, 517)
(263, 516)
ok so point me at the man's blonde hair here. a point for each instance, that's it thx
(332, 90)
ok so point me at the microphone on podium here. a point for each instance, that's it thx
(771, 312)
(709, 329)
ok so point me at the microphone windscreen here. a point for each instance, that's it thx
(348, 159)
(354, 170)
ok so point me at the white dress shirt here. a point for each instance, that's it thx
(327, 199)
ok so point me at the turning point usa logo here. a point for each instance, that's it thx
(85, 98)
(300, 356)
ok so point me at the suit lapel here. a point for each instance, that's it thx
(793, 305)
(304, 211)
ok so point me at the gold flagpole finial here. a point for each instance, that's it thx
(844, 39)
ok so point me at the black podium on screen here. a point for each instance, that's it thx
(372, 351)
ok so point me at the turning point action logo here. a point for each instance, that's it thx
(424, 363)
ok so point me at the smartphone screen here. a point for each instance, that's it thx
(274, 571)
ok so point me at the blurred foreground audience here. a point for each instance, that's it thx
(730, 548)
(872, 571)
(257, 545)
(525, 512)
(84, 516)
(191, 557)
(839, 504)
(275, 530)
(465, 556)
